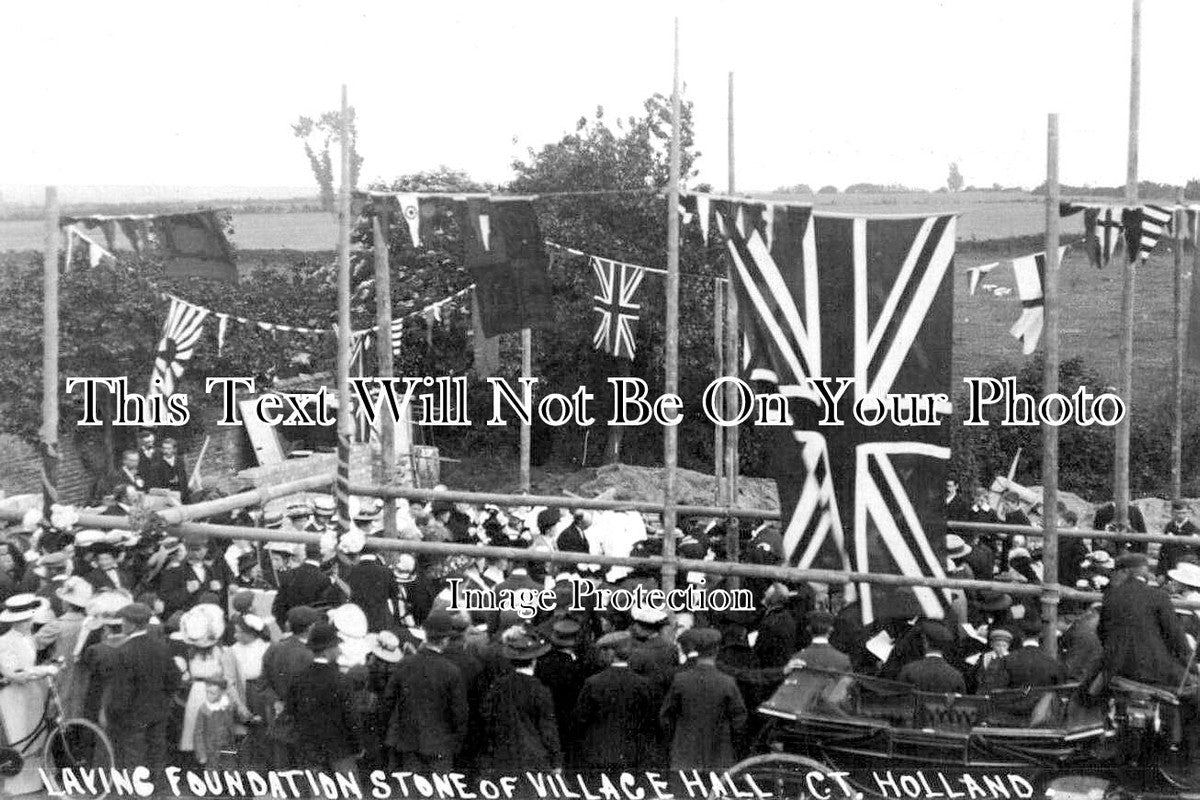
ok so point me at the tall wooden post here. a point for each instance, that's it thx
(732, 398)
(719, 371)
(1180, 339)
(526, 438)
(1050, 385)
(345, 425)
(1125, 356)
(49, 432)
(671, 434)
(383, 355)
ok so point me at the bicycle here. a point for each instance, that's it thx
(65, 743)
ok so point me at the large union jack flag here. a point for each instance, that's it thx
(870, 300)
(185, 323)
(618, 314)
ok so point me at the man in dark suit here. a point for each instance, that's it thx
(147, 466)
(821, 654)
(426, 699)
(957, 506)
(562, 673)
(1180, 525)
(1025, 667)
(306, 585)
(615, 712)
(932, 673)
(704, 714)
(282, 663)
(1104, 518)
(180, 586)
(129, 472)
(107, 573)
(326, 733)
(143, 685)
(169, 471)
(1139, 630)
(373, 588)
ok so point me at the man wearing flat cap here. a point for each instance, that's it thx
(143, 685)
(704, 714)
(1026, 666)
(426, 700)
(615, 713)
(1180, 525)
(1138, 628)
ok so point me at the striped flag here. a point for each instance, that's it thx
(618, 313)
(868, 299)
(185, 323)
(1102, 227)
(975, 273)
(1030, 274)
(1144, 226)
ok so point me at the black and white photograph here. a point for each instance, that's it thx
(637, 401)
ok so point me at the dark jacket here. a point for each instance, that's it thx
(144, 680)
(520, 729)
(563, 674)
(306, 585)
(283, 662)
(615, 719)
(427, 697)
(372, 585)
(1170, 553)
(825, 656)
(1023, 668)
(778, 638)
(982, 561)
(101, 580)
(657, 660)
(933, 674)
(1141, 634)
(704, 716)
(958, 508)
(320, 698)
(162, 475)
(173, 586)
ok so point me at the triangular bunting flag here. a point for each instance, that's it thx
(975, 273)
(410, 210)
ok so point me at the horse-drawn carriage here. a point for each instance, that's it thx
(829, 735)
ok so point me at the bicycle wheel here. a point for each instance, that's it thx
(78, 744)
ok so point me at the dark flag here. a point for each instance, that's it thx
(1144, 226)
(869, 300)
(194, 245)
(505, 254)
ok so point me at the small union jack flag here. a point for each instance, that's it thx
(185, 323)
(618, 313)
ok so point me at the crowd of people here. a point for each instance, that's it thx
(215, 653)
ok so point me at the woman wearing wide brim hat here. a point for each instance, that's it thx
(518, 711)
(23, 695)
(201, 628)
(75, 594)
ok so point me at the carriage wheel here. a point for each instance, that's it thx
(789, 775)
(79, 744)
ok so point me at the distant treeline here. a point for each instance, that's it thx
(888, 188)
(1147, 190)
(292, 205)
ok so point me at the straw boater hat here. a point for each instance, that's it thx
(76, 591)
(20, 608)
(956, 547)
(1186, 573)
(324, 506)
(105, 605)
(387, 647)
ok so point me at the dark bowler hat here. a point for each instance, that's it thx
(323, 636)
(1132, 561)
(438, 625)
(521, 645)
(565, 633)
(136, 613)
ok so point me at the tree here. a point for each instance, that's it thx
(325, 132)
(828, 189)
(954, 181)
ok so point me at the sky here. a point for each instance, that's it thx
(165, 94)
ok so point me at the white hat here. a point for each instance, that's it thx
(76, 591)
(387, 647)
(956, 547)
(20, 607)
(649, 615)
(349, 620)
(1186, 573)
(352, 542)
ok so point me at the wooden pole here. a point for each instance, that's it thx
(49, 432)
(671, 434)
(526, 432)
(1050, 385)
(1180, 343)
(719, 370)
(732, 398)
(1125, 356)
(383, 355)
(345, 425)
